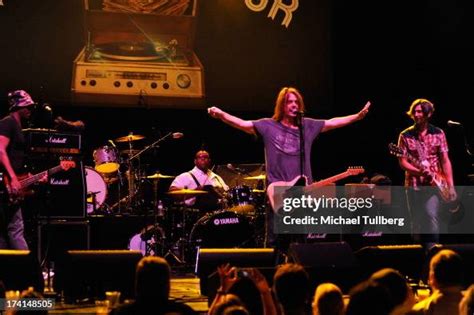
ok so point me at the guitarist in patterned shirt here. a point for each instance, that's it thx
(426, 157)
(12, 147)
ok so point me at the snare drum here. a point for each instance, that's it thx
(106, 159)
(240, 200)
(95, 185)
(223, 229)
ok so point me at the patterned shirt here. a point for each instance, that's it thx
(426, 150)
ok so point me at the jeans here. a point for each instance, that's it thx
(12, 229)
(425, 210)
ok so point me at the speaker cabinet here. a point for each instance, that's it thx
(332, 254)
(83, 274)
(408, 259)
(19, 269)
(63, 197)
(56, 237)
(327, 262)
(209, 258)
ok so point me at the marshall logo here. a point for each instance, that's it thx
(226, 221)
(56, 140)
(59, 182)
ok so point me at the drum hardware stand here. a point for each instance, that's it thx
(131, 179)
(93, 194)
(181, 243)
(119, 192)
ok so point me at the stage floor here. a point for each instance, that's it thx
(183, 288)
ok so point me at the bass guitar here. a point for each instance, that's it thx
(27, 180)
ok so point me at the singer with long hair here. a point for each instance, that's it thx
(281, 138)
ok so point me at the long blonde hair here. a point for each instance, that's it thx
(281, 101)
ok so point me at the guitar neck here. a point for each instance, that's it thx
(33, 179)
(413, 159)
(330, 180)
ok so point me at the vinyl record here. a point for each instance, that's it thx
(131, 51)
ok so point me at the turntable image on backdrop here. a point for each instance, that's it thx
(139, 55)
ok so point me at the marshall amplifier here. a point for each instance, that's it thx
(52, 141)
(63, 197)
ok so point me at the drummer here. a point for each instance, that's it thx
(202, 178)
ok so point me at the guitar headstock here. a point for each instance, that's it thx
(355, 170)
(396, 150)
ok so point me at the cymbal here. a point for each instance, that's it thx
(186, 192)
(159, 176)
(130, 137)
(258, 177)
(258, 191)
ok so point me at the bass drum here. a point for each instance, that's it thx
(97, 187)
(150, 241)
(223, 229)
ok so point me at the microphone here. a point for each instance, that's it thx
(177, 135)
(112, 144)
(452, 123)
(299, 117)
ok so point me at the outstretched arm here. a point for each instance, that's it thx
(236, 122)
(338, 122)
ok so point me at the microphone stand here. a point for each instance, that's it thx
(466, 143)
(154, 144)
(300, 123)
(155, 228)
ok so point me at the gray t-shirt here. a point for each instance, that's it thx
(282, 147)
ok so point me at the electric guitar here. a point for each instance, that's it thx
(27, 180)
(437, 179)
(277, 198)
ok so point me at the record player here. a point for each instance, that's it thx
(138, 59)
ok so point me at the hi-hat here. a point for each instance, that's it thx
(130, 137)
(186, 192)
(159, 176)
(258, 177)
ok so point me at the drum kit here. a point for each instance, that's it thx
(112, 182)
(238, 223)
(114, 185)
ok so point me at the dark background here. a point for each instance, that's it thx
(338, 53)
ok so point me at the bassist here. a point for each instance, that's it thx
(12, 152)
(428, 145)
